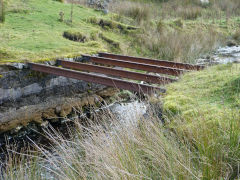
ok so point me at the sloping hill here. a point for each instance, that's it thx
(33, 31)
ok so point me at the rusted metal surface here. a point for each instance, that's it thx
(139, 66)
(152, 61)
(121, 84)
(115, 72)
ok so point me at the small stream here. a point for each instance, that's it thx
(127, 113)
(223, 55)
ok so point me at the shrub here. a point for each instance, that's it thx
(108, 24)
(75, 36)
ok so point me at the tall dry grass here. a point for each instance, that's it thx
(187, 9)
(110, 150)
(177, 30)
(178, 45)
(143, 149)
(138, 11)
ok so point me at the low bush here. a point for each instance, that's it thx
(75, 36)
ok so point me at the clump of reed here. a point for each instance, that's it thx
(107, 150)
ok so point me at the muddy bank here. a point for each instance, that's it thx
(27, 96)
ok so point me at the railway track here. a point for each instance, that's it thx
(95, 71)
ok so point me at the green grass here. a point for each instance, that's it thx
(199, 140)
(32, 31)
(204, 107)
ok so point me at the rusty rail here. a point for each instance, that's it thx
(121, 84)
(152, 61)
(139, 66)
(115, 72)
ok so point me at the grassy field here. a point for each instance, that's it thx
(33, 30)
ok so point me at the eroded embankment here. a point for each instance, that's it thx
(27, 96)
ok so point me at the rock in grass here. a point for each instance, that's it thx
(18, 65)
(231, 43)
(204, 1)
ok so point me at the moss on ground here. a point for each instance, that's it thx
(204, 107)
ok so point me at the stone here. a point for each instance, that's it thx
(204, 1)
(237, 61)
(31, 89)
(105, 11)
(58, 109)
(231, 43)
(52, 63)
(18, 65)
(44, 124)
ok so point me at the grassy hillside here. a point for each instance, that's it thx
(33, 30)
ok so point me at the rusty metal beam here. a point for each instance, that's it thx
(139, 66)
(152, 61)
(121, 84)
(115, 72)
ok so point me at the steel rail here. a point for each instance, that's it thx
(121, 84)
(152, 61)
(115, 72)
(139, 66)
